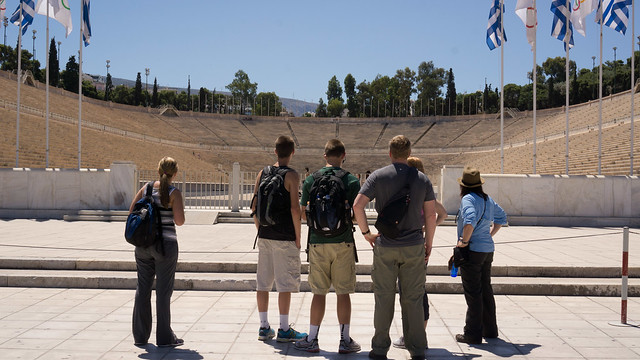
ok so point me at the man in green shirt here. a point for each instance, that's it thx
(331, 258)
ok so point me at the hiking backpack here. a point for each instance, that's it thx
(143, 226)
(328, 211)
(272, 205)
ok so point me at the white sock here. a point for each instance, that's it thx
(313, 331)
(344, 332)
(284, 322)
(264, 321)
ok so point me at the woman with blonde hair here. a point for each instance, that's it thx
(159, 261)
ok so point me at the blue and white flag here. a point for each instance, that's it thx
(616, 14)
(86, 24)
(561, 28)
(28, 12)
(495, 32)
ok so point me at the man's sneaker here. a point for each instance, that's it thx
(307, 345)
(266, 333)
(399, 343)
(290, 335)
(348, 348)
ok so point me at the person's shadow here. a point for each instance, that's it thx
(157, 353)
(502, 348)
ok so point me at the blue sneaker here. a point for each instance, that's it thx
(266, 333)
(290, 335)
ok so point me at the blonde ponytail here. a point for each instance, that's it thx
(167, 167)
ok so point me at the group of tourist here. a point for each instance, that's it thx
(332, 202)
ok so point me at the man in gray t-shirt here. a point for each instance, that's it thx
(402, 259)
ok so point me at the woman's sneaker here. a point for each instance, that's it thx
(290, 335)
(399, 343)
(348, 347)
(307, 345)
(266, 333)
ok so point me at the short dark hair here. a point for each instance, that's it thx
(467, 190)
(284, 146)
(334, 148)
(400, 147)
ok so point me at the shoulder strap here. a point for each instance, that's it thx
(413, 172)
(149, 191)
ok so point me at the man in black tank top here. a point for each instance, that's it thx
(279, 250)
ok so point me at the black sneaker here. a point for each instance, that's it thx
(375, 356)
(461, 338)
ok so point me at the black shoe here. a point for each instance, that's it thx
(375, 356)
(417, 357)
(140, 344)
(465, 339)
(174, 343)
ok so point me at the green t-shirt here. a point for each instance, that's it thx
(351, 184)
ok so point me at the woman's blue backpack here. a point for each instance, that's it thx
(143, 226)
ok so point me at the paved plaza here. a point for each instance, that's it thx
(71, 323)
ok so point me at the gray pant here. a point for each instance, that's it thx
(406, 266)
(151, 263)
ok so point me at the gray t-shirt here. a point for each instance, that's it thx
(383, 184)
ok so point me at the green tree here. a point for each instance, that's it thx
(243, 90)
(137, 91)
(429, 81)
(335, 107)
(108, 88)
(334, 90)
(512, 95)
(89, 90)
(268, 104)
(54, 66)
(122, 95)
(405, 87)
(350, 91)
(166, 97)
(451, 92)
(70, 75)
(188, 103)
(154, 97)
(321, 109)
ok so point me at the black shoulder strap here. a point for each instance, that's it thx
(413, 173)
(149, 191)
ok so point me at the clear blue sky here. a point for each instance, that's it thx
(294, 47)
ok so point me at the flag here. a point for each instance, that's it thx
(3, 8)
(579, 11)
(59, 10)
(86, 24)
(561, 22)
(616, 14)
(495, 32)
(528, 14)
(28, 12)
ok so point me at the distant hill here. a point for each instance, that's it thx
(297, 107)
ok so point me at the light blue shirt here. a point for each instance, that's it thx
(472, 207)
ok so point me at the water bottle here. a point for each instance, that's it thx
(454, 270)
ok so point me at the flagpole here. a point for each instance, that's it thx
(19, 80)
(600, 95)
(535, 81)
(47, 93)
(567, 39)
(80, 89)
(502, 38)
(633, 83)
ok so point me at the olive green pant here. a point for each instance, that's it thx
(406, 266)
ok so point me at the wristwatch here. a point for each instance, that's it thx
(367, 232)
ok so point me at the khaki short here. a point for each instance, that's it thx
(332, 264)
(279, 262)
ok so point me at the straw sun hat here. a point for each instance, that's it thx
(470, 178)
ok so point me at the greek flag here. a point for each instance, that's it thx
(495, 33)
(616, 14)
(28, 11)
(86, 24)
(561, 25)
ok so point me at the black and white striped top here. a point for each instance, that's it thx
(166, 216)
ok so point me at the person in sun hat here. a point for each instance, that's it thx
(479, 219)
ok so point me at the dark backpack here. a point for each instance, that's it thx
(143, 226)
(394, 210)
(272, 205)
(328, 210)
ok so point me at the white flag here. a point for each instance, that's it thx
(3, 8)
(526, 11)
(59, 10)
(579, 11)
